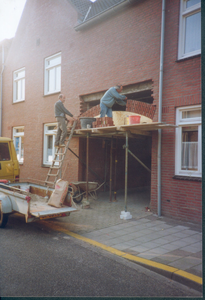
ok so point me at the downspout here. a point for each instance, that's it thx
(1, 89)
(160, 107)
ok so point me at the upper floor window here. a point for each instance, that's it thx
(52, 74)
(49, 140)
(188, 141)
(19, 85)
(189, 28)
(18, 137)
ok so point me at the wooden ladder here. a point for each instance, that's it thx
(59, 157)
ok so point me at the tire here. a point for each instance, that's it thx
(3, 219)
(77, 199)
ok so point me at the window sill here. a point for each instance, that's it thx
(186, 58)
(190, 178)
(50, 94)
(45, 166)
(20, 101)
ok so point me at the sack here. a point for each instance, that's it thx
(58, 195)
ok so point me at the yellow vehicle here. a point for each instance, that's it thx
(9, 165)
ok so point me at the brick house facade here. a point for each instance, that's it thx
(120, 45)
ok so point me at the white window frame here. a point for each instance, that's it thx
(18, 135)
(19, 81)
(54, 67)
(180, 122)
(48, 132)
(184, 13)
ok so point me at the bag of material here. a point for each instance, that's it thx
(58, 195)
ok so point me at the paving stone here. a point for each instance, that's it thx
(185, 263)
(147, 255)
(182, 227)
(191, 249)
(190, 240)
(144, 239)
(150, 245)
(171, 238)
(170, 247)
(196, 270)
(139, 249)
(179, 243)
(162, 241)
(190, 232)
(136, 234)
(166, 258)
(180, 253)
(180, 234)
(132, 243)
(120, 246)
(172, 230)
(197, 254)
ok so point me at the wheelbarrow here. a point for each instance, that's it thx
(79, 189)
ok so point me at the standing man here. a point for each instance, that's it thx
(109, 98)
(60, 112)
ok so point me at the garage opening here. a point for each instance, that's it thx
(108, 154)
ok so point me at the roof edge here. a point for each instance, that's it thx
(101, 15)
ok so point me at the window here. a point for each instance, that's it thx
(52, 74)
(4, 152)
(19, 85)
(18, 137)
(188, 141)
(49, 140)
(190, 28)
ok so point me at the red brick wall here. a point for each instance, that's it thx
(181, 87)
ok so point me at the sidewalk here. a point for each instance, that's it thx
(162, 240)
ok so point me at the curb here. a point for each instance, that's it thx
(183, 277)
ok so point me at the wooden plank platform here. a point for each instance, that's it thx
(119, 131)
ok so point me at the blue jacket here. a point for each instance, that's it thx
(112, 96)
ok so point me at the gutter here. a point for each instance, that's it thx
(1, 89)
(101, 15)
(160, 108)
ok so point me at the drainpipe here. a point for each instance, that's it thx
(1, 89)
(160, 106)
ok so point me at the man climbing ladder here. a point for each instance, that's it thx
(57, 162)
(60, 112)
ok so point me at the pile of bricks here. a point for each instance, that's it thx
(141, 108)
(103, 122)
(92, 112)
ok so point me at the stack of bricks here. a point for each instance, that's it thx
(92, 112)
(103, 122)
(78, 125)
(141, 108)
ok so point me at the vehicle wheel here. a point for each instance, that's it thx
(77, 197)
(3, 219)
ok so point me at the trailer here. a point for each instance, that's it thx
(31, 200)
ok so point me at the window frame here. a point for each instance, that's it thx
(15, 81)
(184, 13)
(195, 121)
(46, 133)
(19, 135)
(47, 68)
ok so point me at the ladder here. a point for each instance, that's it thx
(59, 157)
